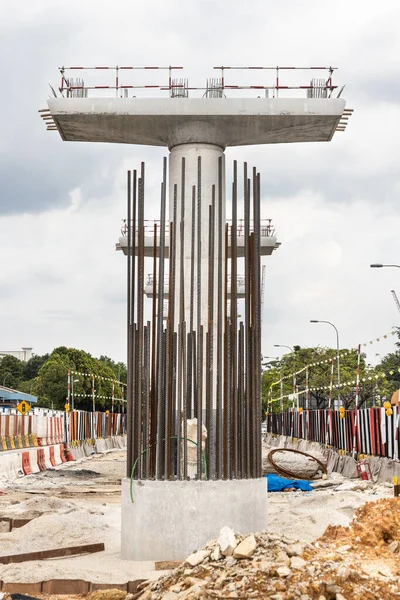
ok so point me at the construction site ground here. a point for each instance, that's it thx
(79, 503)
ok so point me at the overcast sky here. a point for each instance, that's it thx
(335, 205)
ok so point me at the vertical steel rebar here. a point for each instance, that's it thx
(212, 400)
(129, 452)
(257, 324)
(140, 291)
(234, 339)
(181, 393)
(247, 358)
(220, 225)
(153, 386)
(226, 366)
(190, 389)
(199, 363)
(160, 342)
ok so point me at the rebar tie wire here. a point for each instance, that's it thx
(174, 437)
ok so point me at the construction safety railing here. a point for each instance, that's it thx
(322, 87)
(372, 431)
(272, 81)
(150, 226)
(71, 87)
(84, 426)
(47, 427)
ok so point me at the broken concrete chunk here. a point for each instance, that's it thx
(216, 553)
(283, 571)
(343, 549)
(297, 563)
(246, 548)
(349, 486)
(195, 559)
(282, 558)
(227, 541)
(230, 562)
(294, 549)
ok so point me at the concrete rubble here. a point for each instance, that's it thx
(361, 561)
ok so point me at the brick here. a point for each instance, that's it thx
(23, 588)
(17, 523)
(65, 586)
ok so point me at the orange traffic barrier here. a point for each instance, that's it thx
(26, 465)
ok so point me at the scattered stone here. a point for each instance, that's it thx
(297, 563)
(227, 541)
(216, 553)
(283, 571)
(349, 486)
(385, 571)
(340, 597)
(282, 558)
(195, 559)
(294, 549)
(343, 549)
(394, 546)
(171, 596)
(246, 548)
(230, 562)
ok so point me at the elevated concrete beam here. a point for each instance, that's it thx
(172, 121)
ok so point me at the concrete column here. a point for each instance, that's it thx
(210, 155)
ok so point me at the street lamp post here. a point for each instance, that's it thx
(338, 352)
(283, 346)
(291, 350)
(380, 265)
(8, 375)
(280, 377)
(72, 392)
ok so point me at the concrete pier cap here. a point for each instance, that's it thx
(168, 520)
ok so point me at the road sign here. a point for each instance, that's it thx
(23, 407)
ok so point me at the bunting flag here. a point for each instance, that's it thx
(97, 377)
(99, 397)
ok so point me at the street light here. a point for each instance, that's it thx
(8, 375)
(72, 392)
(283, 346)
(337, 347)
(379, 266)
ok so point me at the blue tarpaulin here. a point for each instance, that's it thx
(280, 484)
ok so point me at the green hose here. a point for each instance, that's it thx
(174, 437)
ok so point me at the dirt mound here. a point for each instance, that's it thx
(344, 564)
(375, 529)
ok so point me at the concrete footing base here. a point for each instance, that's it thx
(168, 520)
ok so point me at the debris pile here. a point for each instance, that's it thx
(361, 561)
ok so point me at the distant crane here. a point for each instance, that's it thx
(395, 298)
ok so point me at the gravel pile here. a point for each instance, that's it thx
(361, 561)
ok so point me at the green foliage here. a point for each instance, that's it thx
(31, 368)
(318, 377)
(47, 377)
(11, 371)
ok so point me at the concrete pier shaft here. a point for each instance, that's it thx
(204, 168)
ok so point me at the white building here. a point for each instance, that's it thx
(24, 354)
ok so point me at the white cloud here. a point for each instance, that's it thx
(334, 205)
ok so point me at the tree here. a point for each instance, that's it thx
(31, 368)
(11, 371)
(319, 374)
